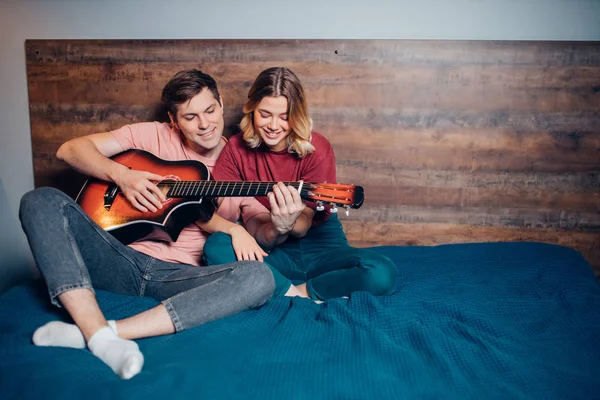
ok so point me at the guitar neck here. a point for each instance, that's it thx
(187, 189)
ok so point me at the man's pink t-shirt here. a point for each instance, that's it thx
(164, 142)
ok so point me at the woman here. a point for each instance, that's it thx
(277, 144)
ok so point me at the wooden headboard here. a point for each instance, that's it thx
(454, 141)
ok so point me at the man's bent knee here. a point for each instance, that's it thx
(40, 200)
(258, 281)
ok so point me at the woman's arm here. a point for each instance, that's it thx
(288, 217)
(303, 223)
(289, 214)
(262, 228)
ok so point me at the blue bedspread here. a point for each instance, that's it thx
(474, 321)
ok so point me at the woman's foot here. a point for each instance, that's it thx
(300, 291)
(294, 292)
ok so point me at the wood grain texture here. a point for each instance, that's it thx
(454, 141)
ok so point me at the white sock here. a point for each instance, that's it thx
(113, 326)
(123, 356)
(61, 334)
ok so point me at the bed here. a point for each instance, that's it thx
(492, 142)
(479, 320)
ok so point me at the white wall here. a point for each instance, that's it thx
(306, 19)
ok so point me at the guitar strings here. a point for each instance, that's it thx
(225, 188)
(190, 189)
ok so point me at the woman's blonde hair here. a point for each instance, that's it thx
(280, 81)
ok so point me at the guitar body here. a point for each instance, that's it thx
(127, 223)
(185, 184)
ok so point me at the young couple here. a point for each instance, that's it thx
(216, 267)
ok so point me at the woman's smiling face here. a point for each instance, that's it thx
(271, 122)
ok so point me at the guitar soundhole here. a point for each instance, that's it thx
(165, 188)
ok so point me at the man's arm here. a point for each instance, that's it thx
(244, 245)
(90, 155)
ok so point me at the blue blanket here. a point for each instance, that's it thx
(491, 321)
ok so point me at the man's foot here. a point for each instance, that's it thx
(123, 356)
(61, 334)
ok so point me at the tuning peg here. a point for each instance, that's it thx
(347, 210)
(333, 208)
(320, 206)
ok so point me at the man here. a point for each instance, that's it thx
(75, 255)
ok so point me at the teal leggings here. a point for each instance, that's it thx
(322, 258)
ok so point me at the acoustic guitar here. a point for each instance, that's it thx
(186, 185)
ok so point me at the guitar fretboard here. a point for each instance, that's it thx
(185, 189)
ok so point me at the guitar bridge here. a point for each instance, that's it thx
(110, 195)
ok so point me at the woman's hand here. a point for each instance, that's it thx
(286, 207)
(245, 246)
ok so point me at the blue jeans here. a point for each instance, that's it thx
(73, 252)
(322, 258)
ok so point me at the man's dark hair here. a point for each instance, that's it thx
(185, 85)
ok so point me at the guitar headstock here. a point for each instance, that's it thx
(336, 194)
